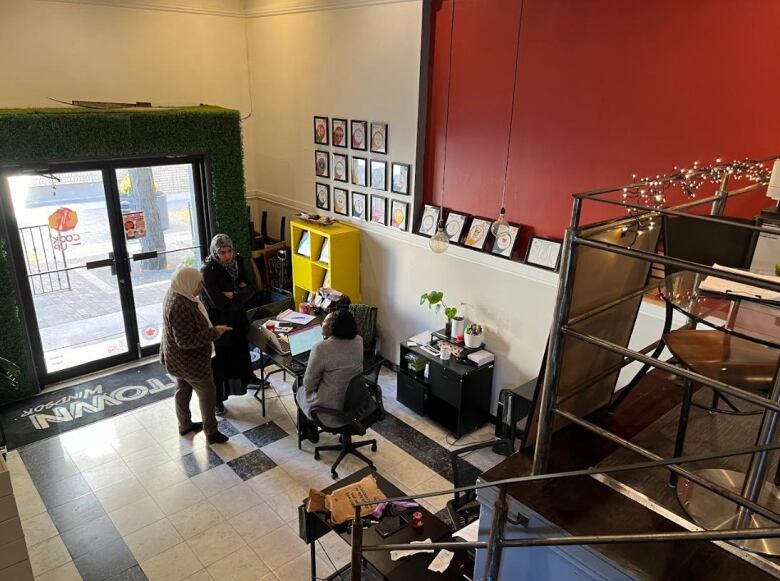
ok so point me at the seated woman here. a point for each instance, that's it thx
(332, 364)
(225, 284)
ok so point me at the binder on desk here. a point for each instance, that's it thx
(717, 285)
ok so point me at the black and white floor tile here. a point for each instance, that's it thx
(128, 498)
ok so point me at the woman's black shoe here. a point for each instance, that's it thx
(217, 438)
(220, 410)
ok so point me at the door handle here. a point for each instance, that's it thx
(144, 255)
(103, 263)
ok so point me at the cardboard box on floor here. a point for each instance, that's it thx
(341, 502)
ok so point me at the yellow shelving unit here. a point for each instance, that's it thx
(344, 264)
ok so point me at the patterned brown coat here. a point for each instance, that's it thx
(185, 349)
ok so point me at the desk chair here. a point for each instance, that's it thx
(362, 408)
(365, 318)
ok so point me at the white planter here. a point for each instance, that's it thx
(472, 341)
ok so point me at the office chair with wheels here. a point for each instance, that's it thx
(362, 408)
(365, 319)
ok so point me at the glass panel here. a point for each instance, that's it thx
(63, 224)
(159, 213)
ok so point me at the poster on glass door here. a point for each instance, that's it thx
(135, 225)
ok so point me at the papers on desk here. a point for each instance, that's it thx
(420, 339)
(469, 533)
(295, 317)
(395, 555)
(714, 284)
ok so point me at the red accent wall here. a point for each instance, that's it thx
(605, 89)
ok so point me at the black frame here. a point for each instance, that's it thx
(371, 137)
(514, 243)
(347, 134)
(352, 124)
(366, 208)
(346, 167)
(405, 226)
(365, 171)
(557, 260)
(378, 162)
(317, 186)
(487, 236)
(422, 216)
(346, 198)
(408, 177)
(466, 217)
(122, 260)
(327, 130)
(326, 156)
(371, 215)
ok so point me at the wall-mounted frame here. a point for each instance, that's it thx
(455, 225)
(506, 240)
(399, 178)
(341, 201)
(322, 196)
(322, 164)
(378, 137)
(359, 171)
(339, 132)
(430, 217)
(340, 167)
(378, 175)
(359, 206)
(320, 130)
(379, 210)
(357, 134)
(399, 215)
(544, 253)
(477, 234)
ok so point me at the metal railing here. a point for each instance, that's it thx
(45, 260)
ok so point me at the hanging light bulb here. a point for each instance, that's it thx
(440, 241)
(500, 224)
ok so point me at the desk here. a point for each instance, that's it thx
(312, 526)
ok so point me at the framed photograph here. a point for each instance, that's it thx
(428, 221)
(454, 226)
(378, 137)
(321, 130)
(341, 201)
(338, 128)
(321, 165)
(340, 172)
(359, 206)
(322, 193)
(478, 233)
(399, 214)
(378, 175)
(357, 133)
(544, 253)
(506, 240)
(379, 210)
(399, 179)
(359, 171)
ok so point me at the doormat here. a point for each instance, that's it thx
(57, 412)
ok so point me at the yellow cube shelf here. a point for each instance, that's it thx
(342, 267)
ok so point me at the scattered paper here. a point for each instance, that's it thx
(720, 285)
(395, 555)
(423, 338)
(295, 317)
(441, 561)
(469, 533)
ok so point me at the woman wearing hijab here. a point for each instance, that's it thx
(185, 351)
(226, 290)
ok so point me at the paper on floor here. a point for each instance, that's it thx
(441, 561)
(395, 555)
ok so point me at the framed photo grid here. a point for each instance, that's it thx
(399, 215)
(379, 210)
(322, 163)
(341, 201)
(339, 132)
(340, 167)
(378, 137)
(359, 171)
(359, 206)
(399, 178)
(378, 175)
(322, 196)
(357, 133)
(321, 130)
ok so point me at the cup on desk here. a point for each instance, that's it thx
(445, 353)
(305, 308)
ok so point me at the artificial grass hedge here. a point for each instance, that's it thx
(32, 135)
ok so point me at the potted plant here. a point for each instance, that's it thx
(435, 299)
(473, 335)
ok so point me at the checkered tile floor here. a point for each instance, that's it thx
(128, 498)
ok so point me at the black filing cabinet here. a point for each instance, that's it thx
(455, 395)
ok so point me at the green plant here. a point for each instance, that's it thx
(435, 300)
(473, 329)
(9, 374)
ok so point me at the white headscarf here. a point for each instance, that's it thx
(185, 282)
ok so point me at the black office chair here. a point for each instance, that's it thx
(365, 319)
(362, 408)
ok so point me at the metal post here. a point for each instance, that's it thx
(313, 565)
(555, 348)
(357, 545)
(496, 537)
(721, 197)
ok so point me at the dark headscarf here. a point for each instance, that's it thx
(217, 243)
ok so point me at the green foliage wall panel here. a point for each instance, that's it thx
(33, 135)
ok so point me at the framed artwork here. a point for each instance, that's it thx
(399, 178)
(321, 130)
(359, 206)
(478, 233)
(359, 171)
(378, 137)
(378, 175)
(399, 214)
(338, 128)
(506, 240)
(322, 193)
(379, 210)
(321, 164)
(428, 221)
(454, 226)
(357, 134)
(544, 253)
(340, 167)
(340, 201)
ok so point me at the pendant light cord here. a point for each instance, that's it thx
(447, 116)
(512, 109)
